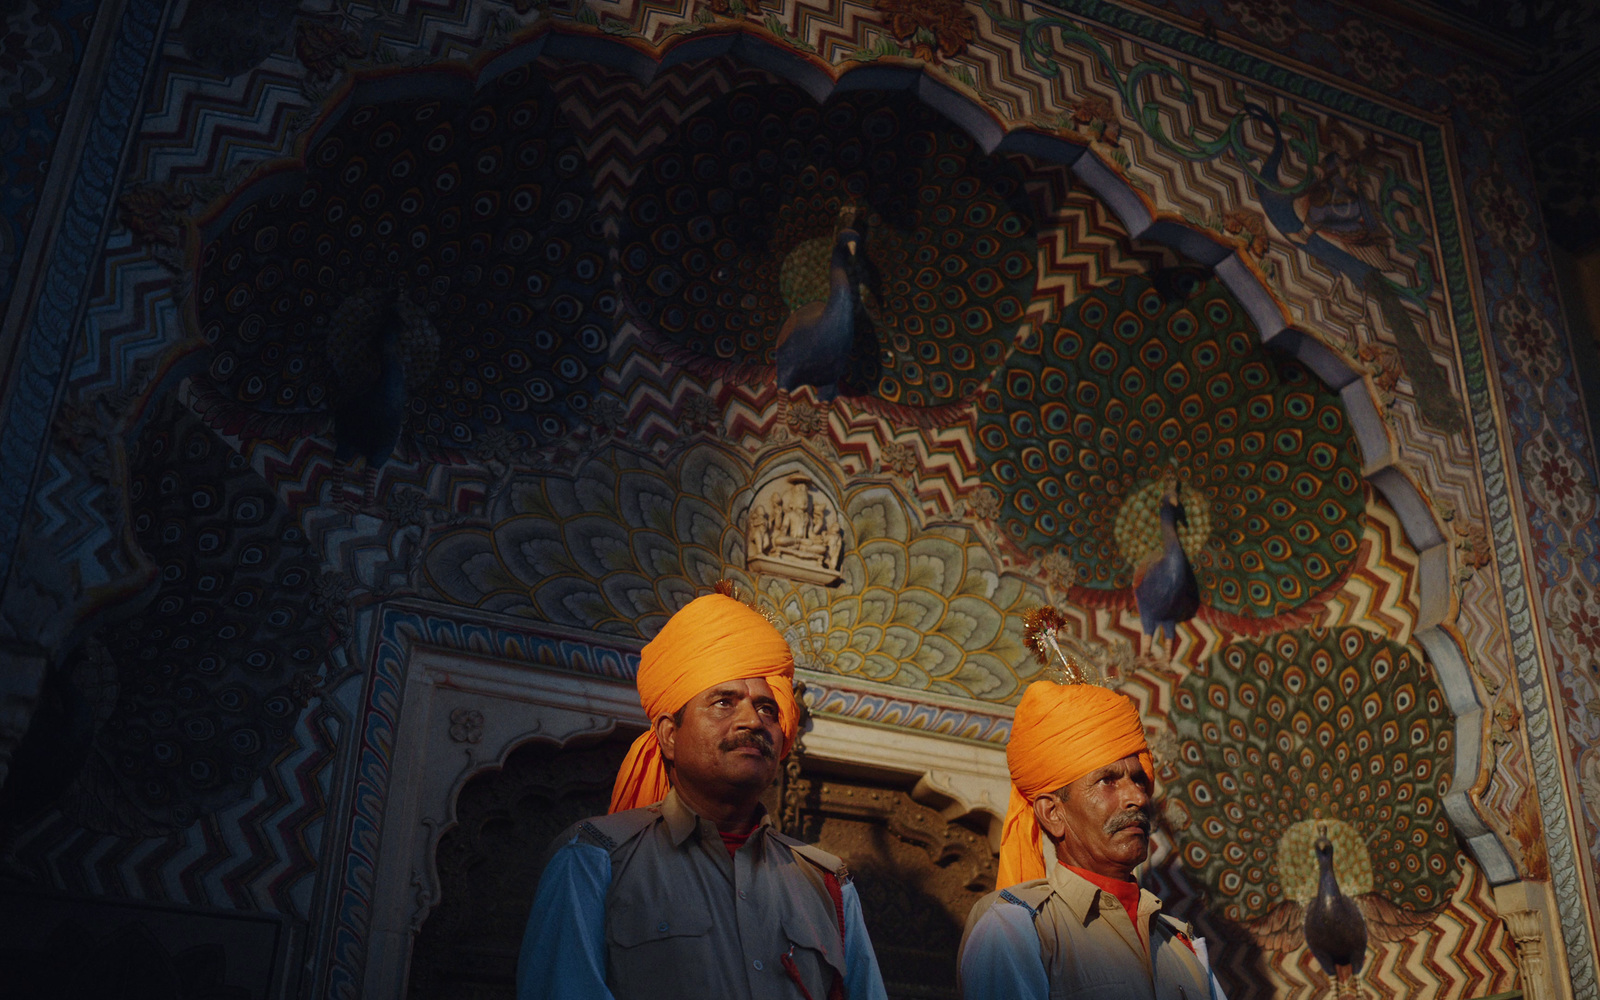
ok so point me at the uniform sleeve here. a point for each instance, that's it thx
(563, 953)
(1000, 959)
(862, 980)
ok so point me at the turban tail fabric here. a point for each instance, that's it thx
(1061, 732)
(712, 640)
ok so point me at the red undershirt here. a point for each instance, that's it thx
(734, 841)
(1126, 892)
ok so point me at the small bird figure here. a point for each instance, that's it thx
(1164, 586)
(815, 342)
(1335, 930)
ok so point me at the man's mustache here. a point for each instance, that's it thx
(1137, 817)
(749, 739)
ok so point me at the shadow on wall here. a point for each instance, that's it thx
(489, 864)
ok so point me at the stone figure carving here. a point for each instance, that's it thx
(795, 531)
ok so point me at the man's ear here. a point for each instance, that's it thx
(666, 737)
(1052, 816)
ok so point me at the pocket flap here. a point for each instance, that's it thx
(808, 930)
(632, 926)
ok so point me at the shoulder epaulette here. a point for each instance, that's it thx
(610, 832)
(1028, 895)
(830, 863)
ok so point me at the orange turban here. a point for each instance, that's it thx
(712, 640)
(1060, 733)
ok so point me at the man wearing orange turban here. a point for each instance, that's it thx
(1070, 919)
(684, 890)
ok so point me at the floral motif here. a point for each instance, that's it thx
(407, 506)
(806, 420)
(948, 21)
(35, 57)
(1526, 336)
(1373, 55)
(609, 415)
(1272, 20)
(1248, 225)
(1383, 362)
(984, 503)
(1059, 570)
(151, 213)
(1503, 213)
(1481, 96)
(1095, 116)
(1527, 829)
(1472, 542)
(466, 725)
(699, 412)
(901, 458)
(324, 49)
(1555, 479)
(1575, 623)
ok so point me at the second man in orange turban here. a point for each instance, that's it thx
(1070, 919)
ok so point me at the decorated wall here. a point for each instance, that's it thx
(348, 342)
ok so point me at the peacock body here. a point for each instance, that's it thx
(814, 343)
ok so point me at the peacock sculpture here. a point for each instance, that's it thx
(815, 342)
(1164, 587)
(1307, 792)
(1150, 429)
(1334, 928)
(733, 231)
(432, 269)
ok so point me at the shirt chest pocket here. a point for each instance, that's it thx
(815, 949)
(636, 926)
(653, 947)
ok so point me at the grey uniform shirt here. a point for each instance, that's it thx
(1063, 937)
(648, 903)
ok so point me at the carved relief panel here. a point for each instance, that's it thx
(795, 531)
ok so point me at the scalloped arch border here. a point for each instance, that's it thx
(1379, 462)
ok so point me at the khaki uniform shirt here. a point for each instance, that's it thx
(682, 919)
(1088, 946)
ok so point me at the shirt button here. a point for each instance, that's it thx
(662, 927)
(759, 966)
(743, 894)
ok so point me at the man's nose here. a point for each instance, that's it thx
(745, 715)
(1134, 795)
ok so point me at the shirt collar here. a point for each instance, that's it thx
(683, 821)
(1083, 896)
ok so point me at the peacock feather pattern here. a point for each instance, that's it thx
(1142, 385)
(730, 228)
(463, 218)
(1310, 728)
(627, 542)
(206, 675)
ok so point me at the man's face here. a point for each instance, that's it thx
(1103, 822)
(725, 747)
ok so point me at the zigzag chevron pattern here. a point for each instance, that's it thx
(258, 854)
